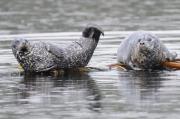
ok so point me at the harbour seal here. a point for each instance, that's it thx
(41, 56)
(142, 50)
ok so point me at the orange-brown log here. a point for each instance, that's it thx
(171, 64)
(117, 65)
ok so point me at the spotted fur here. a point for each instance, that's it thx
(40, 56)
(142, 50)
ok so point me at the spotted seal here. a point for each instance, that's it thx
(143, 50)
(43, 56)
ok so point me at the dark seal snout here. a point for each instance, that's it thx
(92, 32)
(141, 43)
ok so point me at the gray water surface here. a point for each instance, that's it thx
(107, 94)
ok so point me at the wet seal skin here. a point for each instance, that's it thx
(142, 50)
(42, 57)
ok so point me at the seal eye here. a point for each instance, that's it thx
(149, 39)
(167, 59)
(139, 40)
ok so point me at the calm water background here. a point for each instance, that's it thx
(95, 94)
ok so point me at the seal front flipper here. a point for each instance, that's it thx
(55, 50)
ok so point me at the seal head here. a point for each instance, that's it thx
(32, 56)
(146, 53)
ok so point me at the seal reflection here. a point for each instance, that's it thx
(141, 86)
(70, 92)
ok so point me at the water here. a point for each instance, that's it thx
(95, 94)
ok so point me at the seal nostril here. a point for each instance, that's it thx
(142, 43)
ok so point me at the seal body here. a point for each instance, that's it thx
(142, 50)
(36, 56)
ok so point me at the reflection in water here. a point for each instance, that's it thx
(141, 85)
(132, 94)
(72, 91)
